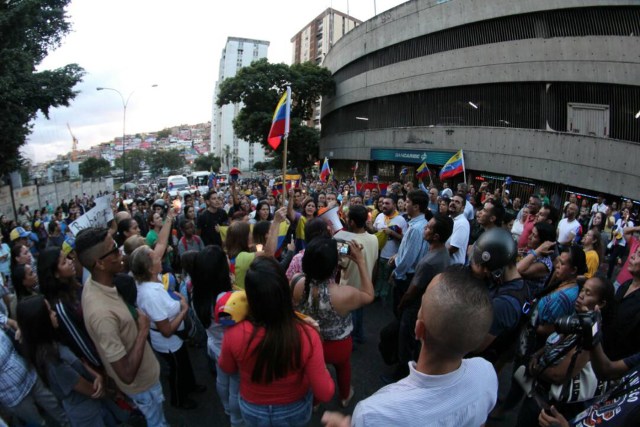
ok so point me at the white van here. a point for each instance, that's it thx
(176, 183)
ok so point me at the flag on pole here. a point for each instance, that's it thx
(355, 168)
(422, 171)
(453, 167)
(280, 122)
(325, 171)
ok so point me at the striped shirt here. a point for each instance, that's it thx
(16, 379)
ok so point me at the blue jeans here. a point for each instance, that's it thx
(150, 404)
(290, 414)
(228, 387)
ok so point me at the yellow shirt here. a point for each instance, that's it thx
(593, 263)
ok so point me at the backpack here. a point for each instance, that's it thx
(503, 348)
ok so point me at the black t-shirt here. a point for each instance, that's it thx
(207, 222)
(622, 337)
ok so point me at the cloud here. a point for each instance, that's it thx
(129, 45)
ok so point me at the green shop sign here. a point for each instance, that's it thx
(411, 156)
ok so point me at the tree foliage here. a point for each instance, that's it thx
(164, 133)
(29, 29)
(207, 163)
(260, 86)
(158, 160)
(134, 161)
(94, 168)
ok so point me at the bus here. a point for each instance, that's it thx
(199, 181)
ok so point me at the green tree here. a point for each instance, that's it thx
(93, 168)
(207, 163)
(164, 133)
(172, 160)
(261, 166)
(260, 86)
(29, 29)
(134, 160)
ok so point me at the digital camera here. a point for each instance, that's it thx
(585, 325)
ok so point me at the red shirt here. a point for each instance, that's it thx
(236, 355)
(624, 274)
(523, 240)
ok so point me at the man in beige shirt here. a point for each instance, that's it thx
(356, 221)
(118, 330)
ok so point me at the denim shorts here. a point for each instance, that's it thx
(290, 414)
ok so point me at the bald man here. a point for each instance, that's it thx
(442, 387)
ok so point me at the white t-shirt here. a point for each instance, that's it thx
(459, 238)
(392, 245)
(469, 212)
(566, 228)
(156, 303)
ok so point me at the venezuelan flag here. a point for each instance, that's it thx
(325, 171)
(422, 171)
(280, 122)
(453, 167)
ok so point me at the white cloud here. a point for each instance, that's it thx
(130, 45)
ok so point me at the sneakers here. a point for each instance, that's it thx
(345, 402)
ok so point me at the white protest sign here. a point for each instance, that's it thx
(98, 216)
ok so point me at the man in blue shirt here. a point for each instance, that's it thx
(413, 247)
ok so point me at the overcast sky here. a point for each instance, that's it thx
(131, 44)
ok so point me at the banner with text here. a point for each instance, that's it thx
(98, 216)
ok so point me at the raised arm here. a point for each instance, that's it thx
(271, 245)
(165, 232)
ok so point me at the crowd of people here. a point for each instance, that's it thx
(272, 287)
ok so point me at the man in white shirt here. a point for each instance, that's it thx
(393, 225)
(568, 227)
(442, 388)
(459, 240)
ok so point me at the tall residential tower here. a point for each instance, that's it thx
(237, 53)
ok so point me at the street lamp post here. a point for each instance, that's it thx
(125, 103)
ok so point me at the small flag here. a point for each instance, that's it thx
(453, 167)
(355, 168)
(325, 171)
(404, 171)
(280, 121)
(422, 171)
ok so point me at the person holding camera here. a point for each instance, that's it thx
(317, 295)
(553, 371)
(619, 406)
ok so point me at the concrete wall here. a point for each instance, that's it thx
(599, 164)
(36, 197)
(584, 59)
(419, 17)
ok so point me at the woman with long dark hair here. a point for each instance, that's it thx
(319, 296)
(127, 227)
(262, 212)
(278, 356)
(24, 281)
(58, 284)
(75, 384)
(536, 266)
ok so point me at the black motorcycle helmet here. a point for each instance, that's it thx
(161, 204)
(494, 249)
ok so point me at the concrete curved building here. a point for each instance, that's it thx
(543, 90)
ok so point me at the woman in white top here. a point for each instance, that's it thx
(166, 311)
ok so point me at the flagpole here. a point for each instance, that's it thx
(464, 169)
(286, 140)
